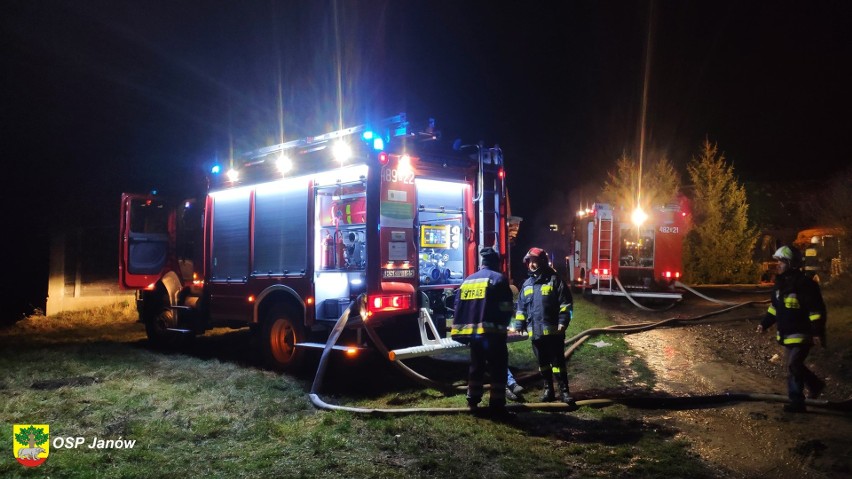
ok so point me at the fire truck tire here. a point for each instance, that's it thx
(280, 333)
(158, 317)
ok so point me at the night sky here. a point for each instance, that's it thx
(100, 97)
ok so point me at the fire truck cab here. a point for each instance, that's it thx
(376, 221)
(612, 256)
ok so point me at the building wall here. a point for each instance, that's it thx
(83, 272)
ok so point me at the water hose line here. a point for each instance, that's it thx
(636, 303)
(647, 402)
(681, 285)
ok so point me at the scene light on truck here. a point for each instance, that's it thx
(582, 213)
(639, 216)
(404, 166)
(341, 151)
(233, 175)
(283, 164)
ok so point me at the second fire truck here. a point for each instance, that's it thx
(613, 256)
(381, 222)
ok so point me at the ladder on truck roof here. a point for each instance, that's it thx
(395, 125)
(605, 251)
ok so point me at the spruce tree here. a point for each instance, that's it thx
(660, 183)
(719, 246)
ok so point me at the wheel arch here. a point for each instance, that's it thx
(276, 295)
(173, 286)
(168, 286)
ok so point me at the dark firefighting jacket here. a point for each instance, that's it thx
(483, 306)
(544, 303)
(798, 309)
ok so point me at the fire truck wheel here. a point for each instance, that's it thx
(158, 318)
(280, 335)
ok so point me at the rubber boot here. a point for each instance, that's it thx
(547, 395)
(565, 395)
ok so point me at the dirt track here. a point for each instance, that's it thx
(724, 354)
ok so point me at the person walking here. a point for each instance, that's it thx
(483, 311)
(545, 306)
(798, 312)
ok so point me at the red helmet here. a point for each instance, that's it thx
(537, 253)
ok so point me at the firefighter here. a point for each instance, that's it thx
(483, 310)
(545, 306)
(798, 312)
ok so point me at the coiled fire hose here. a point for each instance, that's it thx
(643, 402)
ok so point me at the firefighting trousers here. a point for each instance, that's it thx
(798, 375)
(550, 353)
(488, 353)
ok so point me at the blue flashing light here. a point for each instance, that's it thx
(378, 144)
(368, 135)
(216, 169)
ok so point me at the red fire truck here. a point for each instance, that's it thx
(612, 256)
(379, 222)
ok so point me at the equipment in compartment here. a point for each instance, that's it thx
(435, 236)
(440, 254)
(349, 211)
(333, 250)
(343, 249)
(354, 250)
(434, 269)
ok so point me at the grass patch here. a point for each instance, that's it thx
(92, 375)
(591, 367)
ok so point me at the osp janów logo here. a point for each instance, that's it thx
(31, 443)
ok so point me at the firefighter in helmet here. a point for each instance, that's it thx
(798, 312)
(545, 307)
(483, 311)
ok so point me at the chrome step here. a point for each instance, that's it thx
(336, 347)
(442, 344)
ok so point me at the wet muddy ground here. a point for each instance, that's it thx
(724, 354)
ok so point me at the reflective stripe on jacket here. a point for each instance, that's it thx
(797, 309)
(544, 303)
(483, 306)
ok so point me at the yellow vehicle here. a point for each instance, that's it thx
(821, 250)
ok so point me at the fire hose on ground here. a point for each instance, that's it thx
(642, 402)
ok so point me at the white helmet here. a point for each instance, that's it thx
(790, 254)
